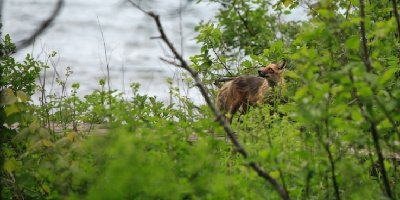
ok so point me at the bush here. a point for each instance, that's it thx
(336, 137)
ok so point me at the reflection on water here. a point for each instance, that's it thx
(133, 56)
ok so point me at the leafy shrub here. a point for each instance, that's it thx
(336, 137)
(18, 76)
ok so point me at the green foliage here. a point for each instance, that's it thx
(333, 100)
(318, 145)
(14, 75)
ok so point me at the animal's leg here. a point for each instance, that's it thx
(245, 108)
(232, 111)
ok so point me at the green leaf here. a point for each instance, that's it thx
(47, 143)
(11, 109)
(275, 174)
(22, 96)
(45, 188)
(286, 3)
(293, 75)
(356, 115)
(385, 124)
(10, 165)
(8, 97)
(353, 42)
(8, 38)
(364, 90)
(300, 93)
(287, 12)
(355, 2)
(388, 75)
(246, 64)
(264, 154)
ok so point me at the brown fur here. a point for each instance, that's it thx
(245, 91)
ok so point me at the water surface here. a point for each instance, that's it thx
(132, 55)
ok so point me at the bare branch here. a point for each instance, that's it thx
(223, 79)
(220, 119)
(170, 62)
(218, 82)
(45, 25)
(155, 37)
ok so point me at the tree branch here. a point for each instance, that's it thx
(45, 25)
(244, 21)
(366, 60)
(223, 79)
(218, 57)
(373, 128)
(170, 62)
(326, 145)
(220, 119)
(374, 134)
(396, 15)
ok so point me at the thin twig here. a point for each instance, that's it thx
(155, 37)
(220, 119)
(218, 57)
(348, 10)
(244, 21)
(170, 62)
(107, 63)
(45, 25)
(180, 26)
(223, 79)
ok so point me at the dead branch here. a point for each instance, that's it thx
(220, 118)
(170, 62)
(43, 27)
(219, 81)
(224, 79)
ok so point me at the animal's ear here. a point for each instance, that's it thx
(282, 64)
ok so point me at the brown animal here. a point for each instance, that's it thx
(245, 91)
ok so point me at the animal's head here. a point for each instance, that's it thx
(273, 72)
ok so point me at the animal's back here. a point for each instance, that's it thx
(250, 88)
(242, 90)
(246, 91)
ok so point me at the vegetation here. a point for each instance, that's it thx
(336, 137)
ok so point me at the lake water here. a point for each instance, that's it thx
(133, 56)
